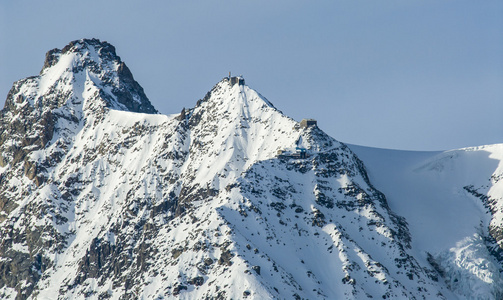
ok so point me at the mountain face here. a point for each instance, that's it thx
(101, 197)
(452, 203)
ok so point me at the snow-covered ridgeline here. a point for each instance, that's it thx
(112, 202)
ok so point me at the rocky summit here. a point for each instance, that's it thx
(101, 197)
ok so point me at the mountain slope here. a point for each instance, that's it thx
(100, 197)
(452, 202)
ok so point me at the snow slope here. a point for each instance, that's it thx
(102, 198)
(452, 203)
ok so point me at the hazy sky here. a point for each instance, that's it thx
(422, 75)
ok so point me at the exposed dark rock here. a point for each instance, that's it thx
(51, 58)
(97, 255)
(197, 281)
(130, 93)
(225, 258)
(256, 269)
(492, 205)
(178, 289)
(182, 115)
(21, 267)
(208, 261)
(318, 219)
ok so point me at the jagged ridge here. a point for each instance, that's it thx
(117, 204)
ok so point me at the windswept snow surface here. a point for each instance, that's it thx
(451, 200)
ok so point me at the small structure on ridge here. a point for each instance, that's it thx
(299, 152)
(305, 123)
(236, 79)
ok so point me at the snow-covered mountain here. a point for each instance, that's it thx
(453, 204)
(101, 197)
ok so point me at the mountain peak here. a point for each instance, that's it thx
(232, 199)
(232, 89)
(98, 48)
(85, 71)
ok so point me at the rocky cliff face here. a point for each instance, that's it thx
(100, 200)
(38, 125)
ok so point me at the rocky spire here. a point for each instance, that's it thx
(84, 77)
(66, 70)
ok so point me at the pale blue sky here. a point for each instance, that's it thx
(423, 75)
